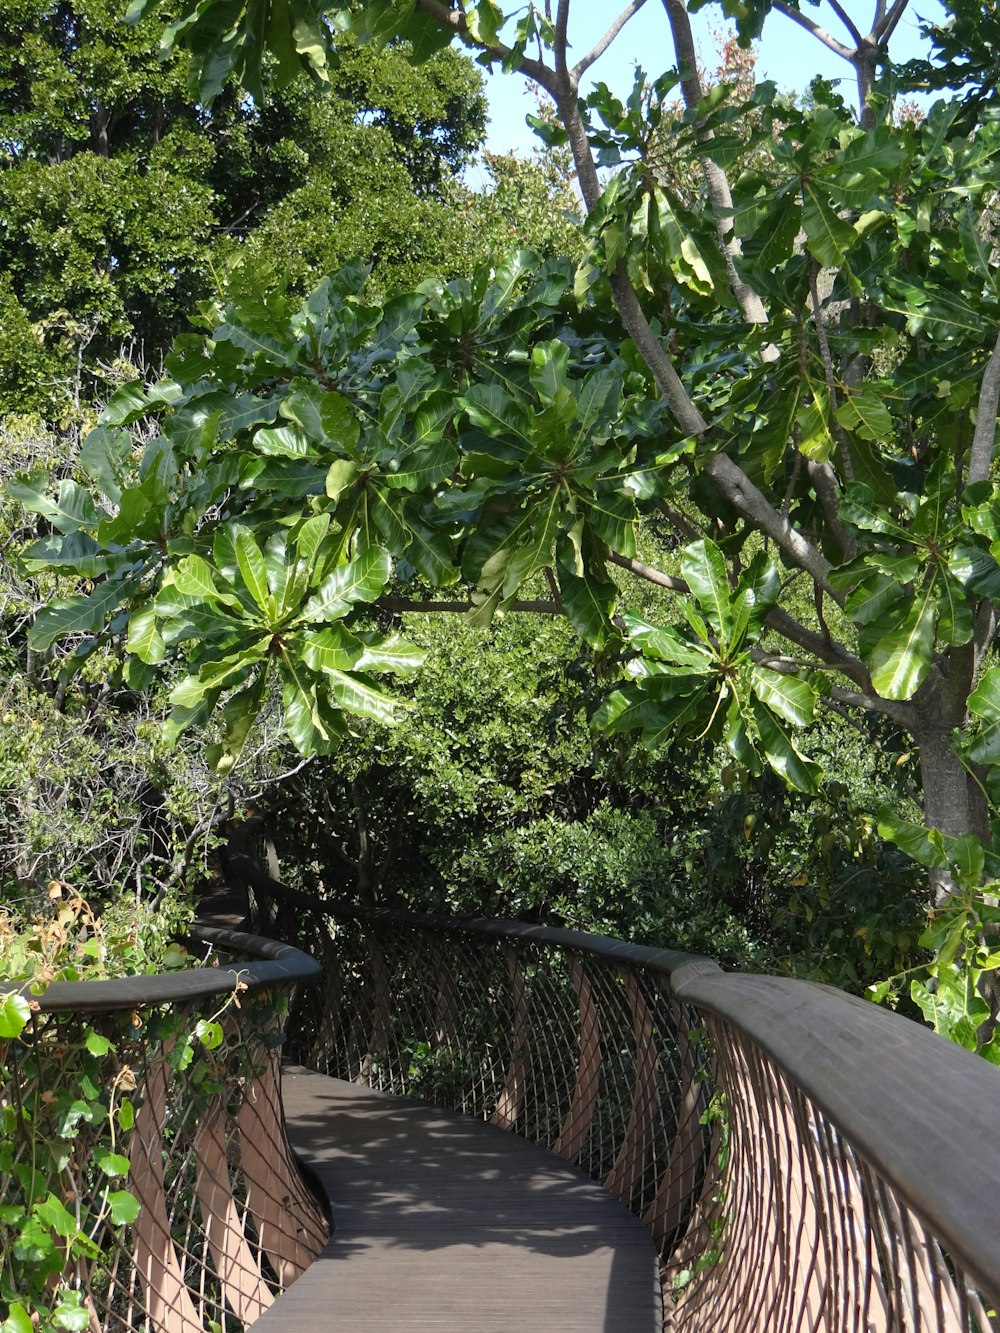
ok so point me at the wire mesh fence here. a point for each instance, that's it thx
(790, 1185)
(145, 1178)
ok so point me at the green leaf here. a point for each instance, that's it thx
(362, 580)
(389, 653)
(18, 1320)
(253, 568)
(792, 699)
(144, 638)
(781, 753)
(15, 1012)
(666, 644)
(613, 516)
(96, 1044)
(77, 615)
(331, 649)
(111, 1163)
(589, 603)
(902, 658)
(72, 507)
(866, 414)
(360, 697)
(324, 415)
(210, 1034)
(71, 1313)
(703, 567)
(311, 728)
(923, 845)
(124, 1207)
(828, 237)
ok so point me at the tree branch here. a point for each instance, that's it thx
(810, 25)
(847, 21)
(829, 653)
(885, 23)
(984, 438)
(455, 20)
(598, 49)
(401, 604)
(899, 710)
(716, 181)
(648, 573)
(824, 483)
(740, 491)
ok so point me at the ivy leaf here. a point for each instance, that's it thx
(15, 1012)
(111, 1163)
(123, 1206)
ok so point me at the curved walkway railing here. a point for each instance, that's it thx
(178, 1073)
(802, 1159)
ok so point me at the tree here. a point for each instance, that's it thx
(797, 380)
(123, 201)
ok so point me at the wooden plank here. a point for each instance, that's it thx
(443, 1222)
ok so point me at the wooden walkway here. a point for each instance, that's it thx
(445, 1223)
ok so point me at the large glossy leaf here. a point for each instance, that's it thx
(828, 237)
(144, 638)
(77, 615)
(589, 603)
(70, 509)
(902, 657)
(362, 580)
(613, 516)
(357, 695)
(790, 698)
(704, 568)
(421, 468)
(781, 753)
(666, 644)
(312, 727)
(389, 652)
(324, 415)
(331, 649)
(253, 568)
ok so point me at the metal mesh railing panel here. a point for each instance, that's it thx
(223, 1221)
(797, 1231)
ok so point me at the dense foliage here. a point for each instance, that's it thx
(123, 201)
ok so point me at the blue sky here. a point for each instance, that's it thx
(787, 54)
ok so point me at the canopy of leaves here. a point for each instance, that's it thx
(123, 201)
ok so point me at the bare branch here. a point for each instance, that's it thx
(818, 32)
(740, 491)
(648, 573)
(984, 438)
(900, 711)
(598, 49)
(824, 483)
(826, 357)
(885, 23)
(847, 21)
(716, 180)
(400, 604)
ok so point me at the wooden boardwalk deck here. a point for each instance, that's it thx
(446, 1223)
